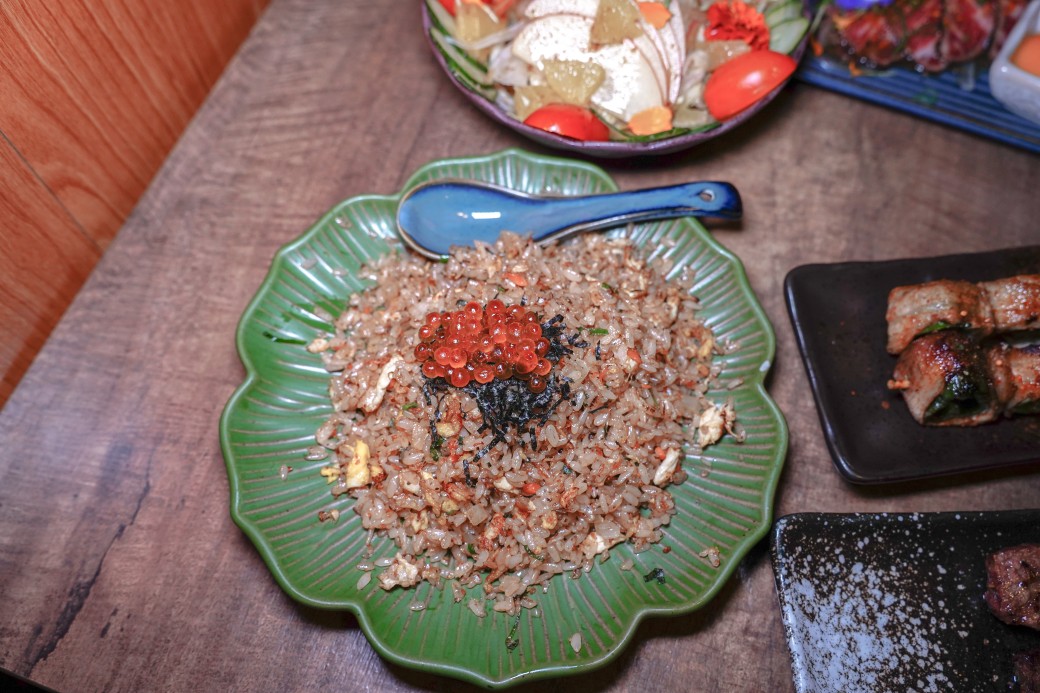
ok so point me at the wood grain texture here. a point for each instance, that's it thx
(120, 567)
(44, 259)
(96, 94)
(94, 97)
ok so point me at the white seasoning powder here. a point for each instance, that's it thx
(868, 624)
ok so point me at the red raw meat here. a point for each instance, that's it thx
(968, 25)
(872, 34)
(924, 28)
(931, 34)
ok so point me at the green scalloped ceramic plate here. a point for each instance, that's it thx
(271, 419)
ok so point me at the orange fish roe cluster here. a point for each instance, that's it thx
(481, 343)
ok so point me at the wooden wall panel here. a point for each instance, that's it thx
(93, 95)
(44, 259)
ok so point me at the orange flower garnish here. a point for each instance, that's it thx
(737, 21)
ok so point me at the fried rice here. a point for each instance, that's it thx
(473, 495)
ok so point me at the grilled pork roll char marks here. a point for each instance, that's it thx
(1015, 302)
(1015, 372)
(945, 381)
(932, 306)
(1013, 585)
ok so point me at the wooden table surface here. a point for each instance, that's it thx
(120, 568)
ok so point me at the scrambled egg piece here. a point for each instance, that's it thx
(358, 471)
(593, 545)
(400, 572)
(715, 420)
(667, 467)
(374, 397)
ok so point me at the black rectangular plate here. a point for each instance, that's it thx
(838, 314)
(893, 601)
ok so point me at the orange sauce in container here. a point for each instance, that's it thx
(1027, 55)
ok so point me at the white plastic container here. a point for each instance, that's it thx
(1014, 87)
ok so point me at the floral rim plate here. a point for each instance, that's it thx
(470, 77)
(271, 418)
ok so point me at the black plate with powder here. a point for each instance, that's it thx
(893, 601)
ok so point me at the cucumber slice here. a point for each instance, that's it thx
(783, 12)
(784, 37)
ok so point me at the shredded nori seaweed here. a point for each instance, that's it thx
(511, 640)
(655, 574)
(509, 406)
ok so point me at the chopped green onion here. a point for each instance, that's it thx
(599, 330)
(936, 327)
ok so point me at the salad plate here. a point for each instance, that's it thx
(838, 315)
(894, 601)
(276, 493)
(471, 78)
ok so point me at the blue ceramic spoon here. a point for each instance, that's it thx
(435, 216)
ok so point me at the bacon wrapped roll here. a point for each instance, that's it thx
(944, 378)
(944, 304)
(1016, 377)
(1014, 301)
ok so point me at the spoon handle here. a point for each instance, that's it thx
(435, 216)
(566, 216)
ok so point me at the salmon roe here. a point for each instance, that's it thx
(482, 343)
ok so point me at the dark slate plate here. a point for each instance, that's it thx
(838, 314)
(893, 602)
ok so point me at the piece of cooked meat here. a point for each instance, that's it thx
(968, 26)
(1013, 585)
(1026, 666)
(944, 378)
(943, 304)
(1016, 377)
(928, 35)
(1015, 302)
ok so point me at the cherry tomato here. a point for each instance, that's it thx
(740, 82)
(570, 121)
(501, 7)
